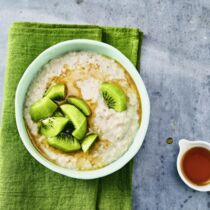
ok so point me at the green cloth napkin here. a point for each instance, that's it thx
(26, 184)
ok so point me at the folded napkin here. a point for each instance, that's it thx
(26, 184)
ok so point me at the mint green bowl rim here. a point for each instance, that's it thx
(56, 51)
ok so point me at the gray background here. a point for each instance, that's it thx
(175, 67)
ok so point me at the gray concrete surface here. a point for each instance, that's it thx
(176, 70)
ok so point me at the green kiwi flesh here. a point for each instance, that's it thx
(56, 92)
(80, 104)
(58, 114)
(114, 96)
(64, 142)
(88, 141)
(77, 118)
(53, 126)
(41, 109)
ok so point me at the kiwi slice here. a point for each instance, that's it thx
(56, 92)
(77, 118)
(114, 96)
(64, 142)
(53, 126)
(80, 104)
(80, 132)
(58, 114)
(88, 141)
(41, 109)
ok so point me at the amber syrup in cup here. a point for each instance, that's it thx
(196, 165)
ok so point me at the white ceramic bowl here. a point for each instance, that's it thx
(58, 50)
(184, 146)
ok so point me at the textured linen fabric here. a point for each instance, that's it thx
(26, 184)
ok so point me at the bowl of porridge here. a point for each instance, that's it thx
(82, 109)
